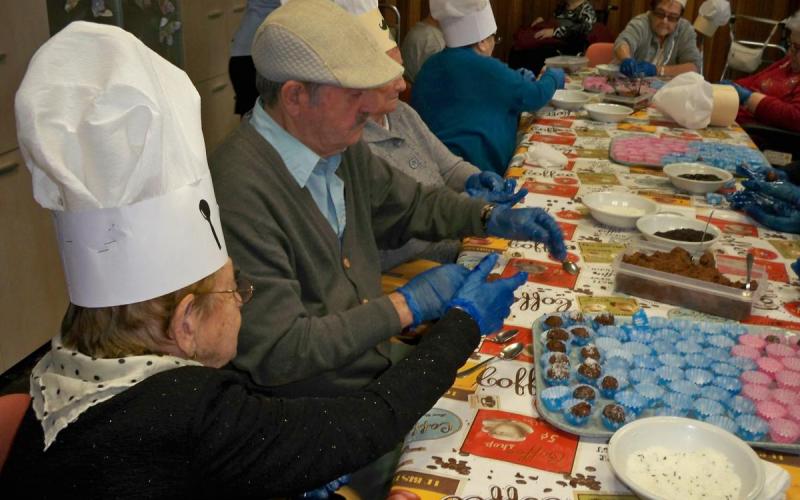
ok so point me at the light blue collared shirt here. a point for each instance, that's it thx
(308, 169)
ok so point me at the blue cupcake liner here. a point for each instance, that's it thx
(697, 361)
(675, 360)
(668, 374)
(641, 336)
(621, 354)
(637, 348)
(740, 405)
(744, 364)
(704, 408)
(751, 427)
(734, 330)
(721, 341)
(678, 400)
(569, 417)
(663, 347)
(554, 397)
(573, 318)
(642, 376)
(632, 401)
(715, 393)
(651, 392)
(606, 344)
(724, 422)
(726, 370)
(717, 353)
(649, 362)
(685, 387)
(612, 331)
(616, 364)
(688, 347)
(731, 384)
(698, 376)
(659, 322)
(672, 411)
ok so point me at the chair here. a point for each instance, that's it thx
(12, 409)
(394, 28)
(600, 53)
(776, 30)
(771, 140)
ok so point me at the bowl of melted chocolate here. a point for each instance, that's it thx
(697, 178)
(677, 230)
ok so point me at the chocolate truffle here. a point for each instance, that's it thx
(553, 321)
(580, 332)
(582, 409)
(589, 370)
(584, 392)
(590, 351)
(604, 319)
(773, 339)
(614, 412)
(558, 357)
(556, 346)
(558, 372)
(609, 383)
(557, 334)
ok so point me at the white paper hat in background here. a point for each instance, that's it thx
(711, 15)
(111, 134)
(464, 22)
(368, 13)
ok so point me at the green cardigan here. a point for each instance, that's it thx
(319, 323)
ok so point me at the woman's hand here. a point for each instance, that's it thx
(537, 21)
(545, 33)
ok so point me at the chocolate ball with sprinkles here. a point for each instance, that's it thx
(557, 374)
(589, 371)
(556, 334)
(590, 352)
(584, 392)
(553, 321)
(556, 346)
(613, 416)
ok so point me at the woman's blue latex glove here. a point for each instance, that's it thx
(776, 205)
(527, 74)
(631, 68)
(558, 75)
(487, 302)
(527, 224)
(491, 187)
(760, 172)
(325, 491)
(427, 293)
(744, 93)
(784, 191)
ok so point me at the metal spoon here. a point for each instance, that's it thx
(510, 351)
(705, 232)
(570, 267)
(503, 337)
(748, 285)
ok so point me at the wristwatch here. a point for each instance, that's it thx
(486, 213)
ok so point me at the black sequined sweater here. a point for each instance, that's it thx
(196, 432)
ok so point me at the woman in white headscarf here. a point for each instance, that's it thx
(129, 401)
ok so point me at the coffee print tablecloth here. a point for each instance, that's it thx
(483, 439)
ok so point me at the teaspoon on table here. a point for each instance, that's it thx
(748, 285)
(503, 337)
(510, 351)
(570, 267)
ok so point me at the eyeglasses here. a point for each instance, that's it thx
(243, 292)
(660, 14)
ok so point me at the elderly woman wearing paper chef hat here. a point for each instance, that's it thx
(659, 42)
(396, 133)
(470, 100)
(129, 401)
(772, 96)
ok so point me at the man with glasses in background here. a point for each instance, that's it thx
(659, 42)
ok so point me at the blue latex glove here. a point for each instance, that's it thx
(631, 68)
(491, 187)
(428, 293)
(796, 266)
(528, 224)
(783, 191)
(527, 74)
(744, 93)
(487, 302)
(775, 205)
(558, 75)
(760, 172)
(325, 491)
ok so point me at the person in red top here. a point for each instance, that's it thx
(772, 97)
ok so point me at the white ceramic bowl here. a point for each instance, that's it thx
(569, 99)
(687, 435)
(654, 223)
(675, 170)
(573, 86)
(570, 64)
(604, 112)
(618, 209)
(607, 69)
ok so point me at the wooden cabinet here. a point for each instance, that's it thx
(216, 97)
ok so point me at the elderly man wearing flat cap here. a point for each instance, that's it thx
(305, 206)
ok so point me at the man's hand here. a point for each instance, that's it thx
(528, 224)
(556, 74)
(491, 187)
(427, 293)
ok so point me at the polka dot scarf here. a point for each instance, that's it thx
(65, 383)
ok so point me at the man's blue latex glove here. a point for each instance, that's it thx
(491, 187)
(527, 224)
(487, 302)
(784, 191)
(558, 75)
(631, 68)
(325, 491)
(744, 93)
(527, 74)
(760, 172)
(776, 205)
(427, 293)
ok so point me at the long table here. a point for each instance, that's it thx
(484, 439)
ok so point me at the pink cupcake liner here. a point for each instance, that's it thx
(745, 351)
(754, 377)
(779, 350)
(788, 380)
(785, 397)
(782, 430)
(755, 393)
(770, 410)
(794, 412)
(791, 363)
(770, 366)
(751, 340)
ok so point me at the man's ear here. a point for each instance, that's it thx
(183, 325)
(293, 96)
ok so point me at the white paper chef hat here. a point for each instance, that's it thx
(464, 22)
(369, 15)
(711, 15)
(111, 134)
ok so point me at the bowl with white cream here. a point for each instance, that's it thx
(673, 457)
(618, 208)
